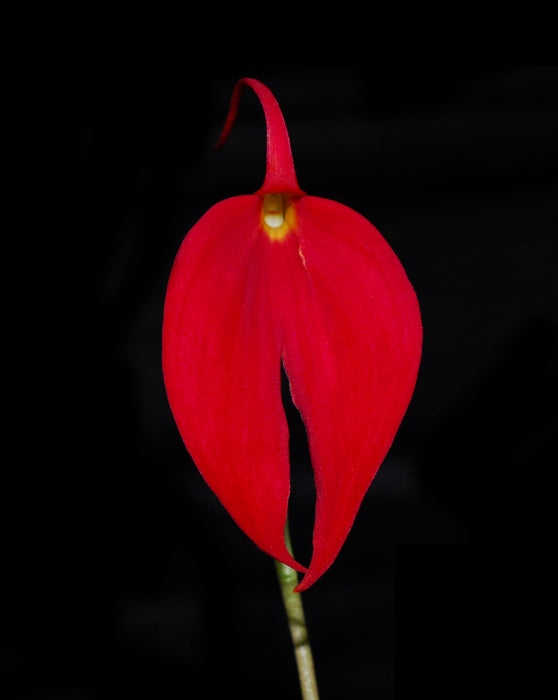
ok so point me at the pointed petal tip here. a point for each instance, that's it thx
(311, 575)
(305, 584)
(288, 560)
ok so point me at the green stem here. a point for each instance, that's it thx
(288, 579)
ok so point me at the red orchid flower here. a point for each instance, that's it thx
(283, 277)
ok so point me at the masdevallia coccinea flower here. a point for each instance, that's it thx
(275, 277)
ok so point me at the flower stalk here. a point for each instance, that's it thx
(288, 580)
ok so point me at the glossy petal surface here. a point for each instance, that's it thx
(222, 367)
(352, 343)
(333, 303)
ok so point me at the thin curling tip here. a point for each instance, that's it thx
(280, 174)
(219, 145)
(231, 116)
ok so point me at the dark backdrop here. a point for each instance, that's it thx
(126, 578)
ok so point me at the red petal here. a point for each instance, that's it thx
(222, 364)
(352, 345)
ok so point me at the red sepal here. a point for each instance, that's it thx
(324, 294)
(222, 368)
(352, 343)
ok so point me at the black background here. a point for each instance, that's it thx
(125, 576)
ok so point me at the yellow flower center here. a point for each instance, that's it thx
(278, 215)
